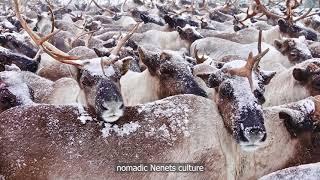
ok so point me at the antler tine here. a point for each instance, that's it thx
(259, 57)
(247, 16)
(115, 51)
(259, 41)
(245, 71)
(265, 11)
(305, 15)
(260, 53)
(251, 64)
(42, 42)
(122, 6)
(199, 59)
(52, 15)
(289, 11)
(123, 40)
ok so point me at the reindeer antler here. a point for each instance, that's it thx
(123, 40)
(261, 9)
(251, 64)
(115, 51)
(289, 14)
(307, 14)
(52, 15)
(42, 42)
(198, 58)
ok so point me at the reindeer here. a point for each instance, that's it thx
(176, 40)
(222, 50)
(167, 74)
(51, 150)
(23, 62)
(100, 91)
(293, 84)
(286, 23)
(17, 44)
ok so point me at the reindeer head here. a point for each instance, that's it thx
(301, 116)
(102, 95)
(43, 25)
(7, 57)
(7, 99)
(176, 21)
(189, 33)
(240, 87)
(173, 71)
(13, 90)
(10, 41)
(294, 31)
(286, 23)
(296, 49)
(309, 77)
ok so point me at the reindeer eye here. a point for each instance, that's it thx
(122, 106)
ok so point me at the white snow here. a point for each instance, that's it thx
(176, 114)
(298, 110)
(84, 116)
(125, 129)
(17, 86)
(95, 68)
(301, 45)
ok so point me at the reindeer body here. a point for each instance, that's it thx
(284, 88)
(217, 48)
(46, 148)
(161, 40)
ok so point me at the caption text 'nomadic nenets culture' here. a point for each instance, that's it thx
(160, 167)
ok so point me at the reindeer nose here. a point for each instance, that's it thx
(255, 134)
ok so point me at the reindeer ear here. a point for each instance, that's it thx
(86, 79)
(285, 115)
(267, 76)
(169, 20)
(101, 53)
(77, 6)
(124, 65)
(279, 45)
(203, 71)
(150, 59)
(180, 30)
(144, 18)
(300, 74)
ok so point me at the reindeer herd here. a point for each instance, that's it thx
(234, 87)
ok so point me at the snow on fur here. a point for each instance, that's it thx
(305, 172)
